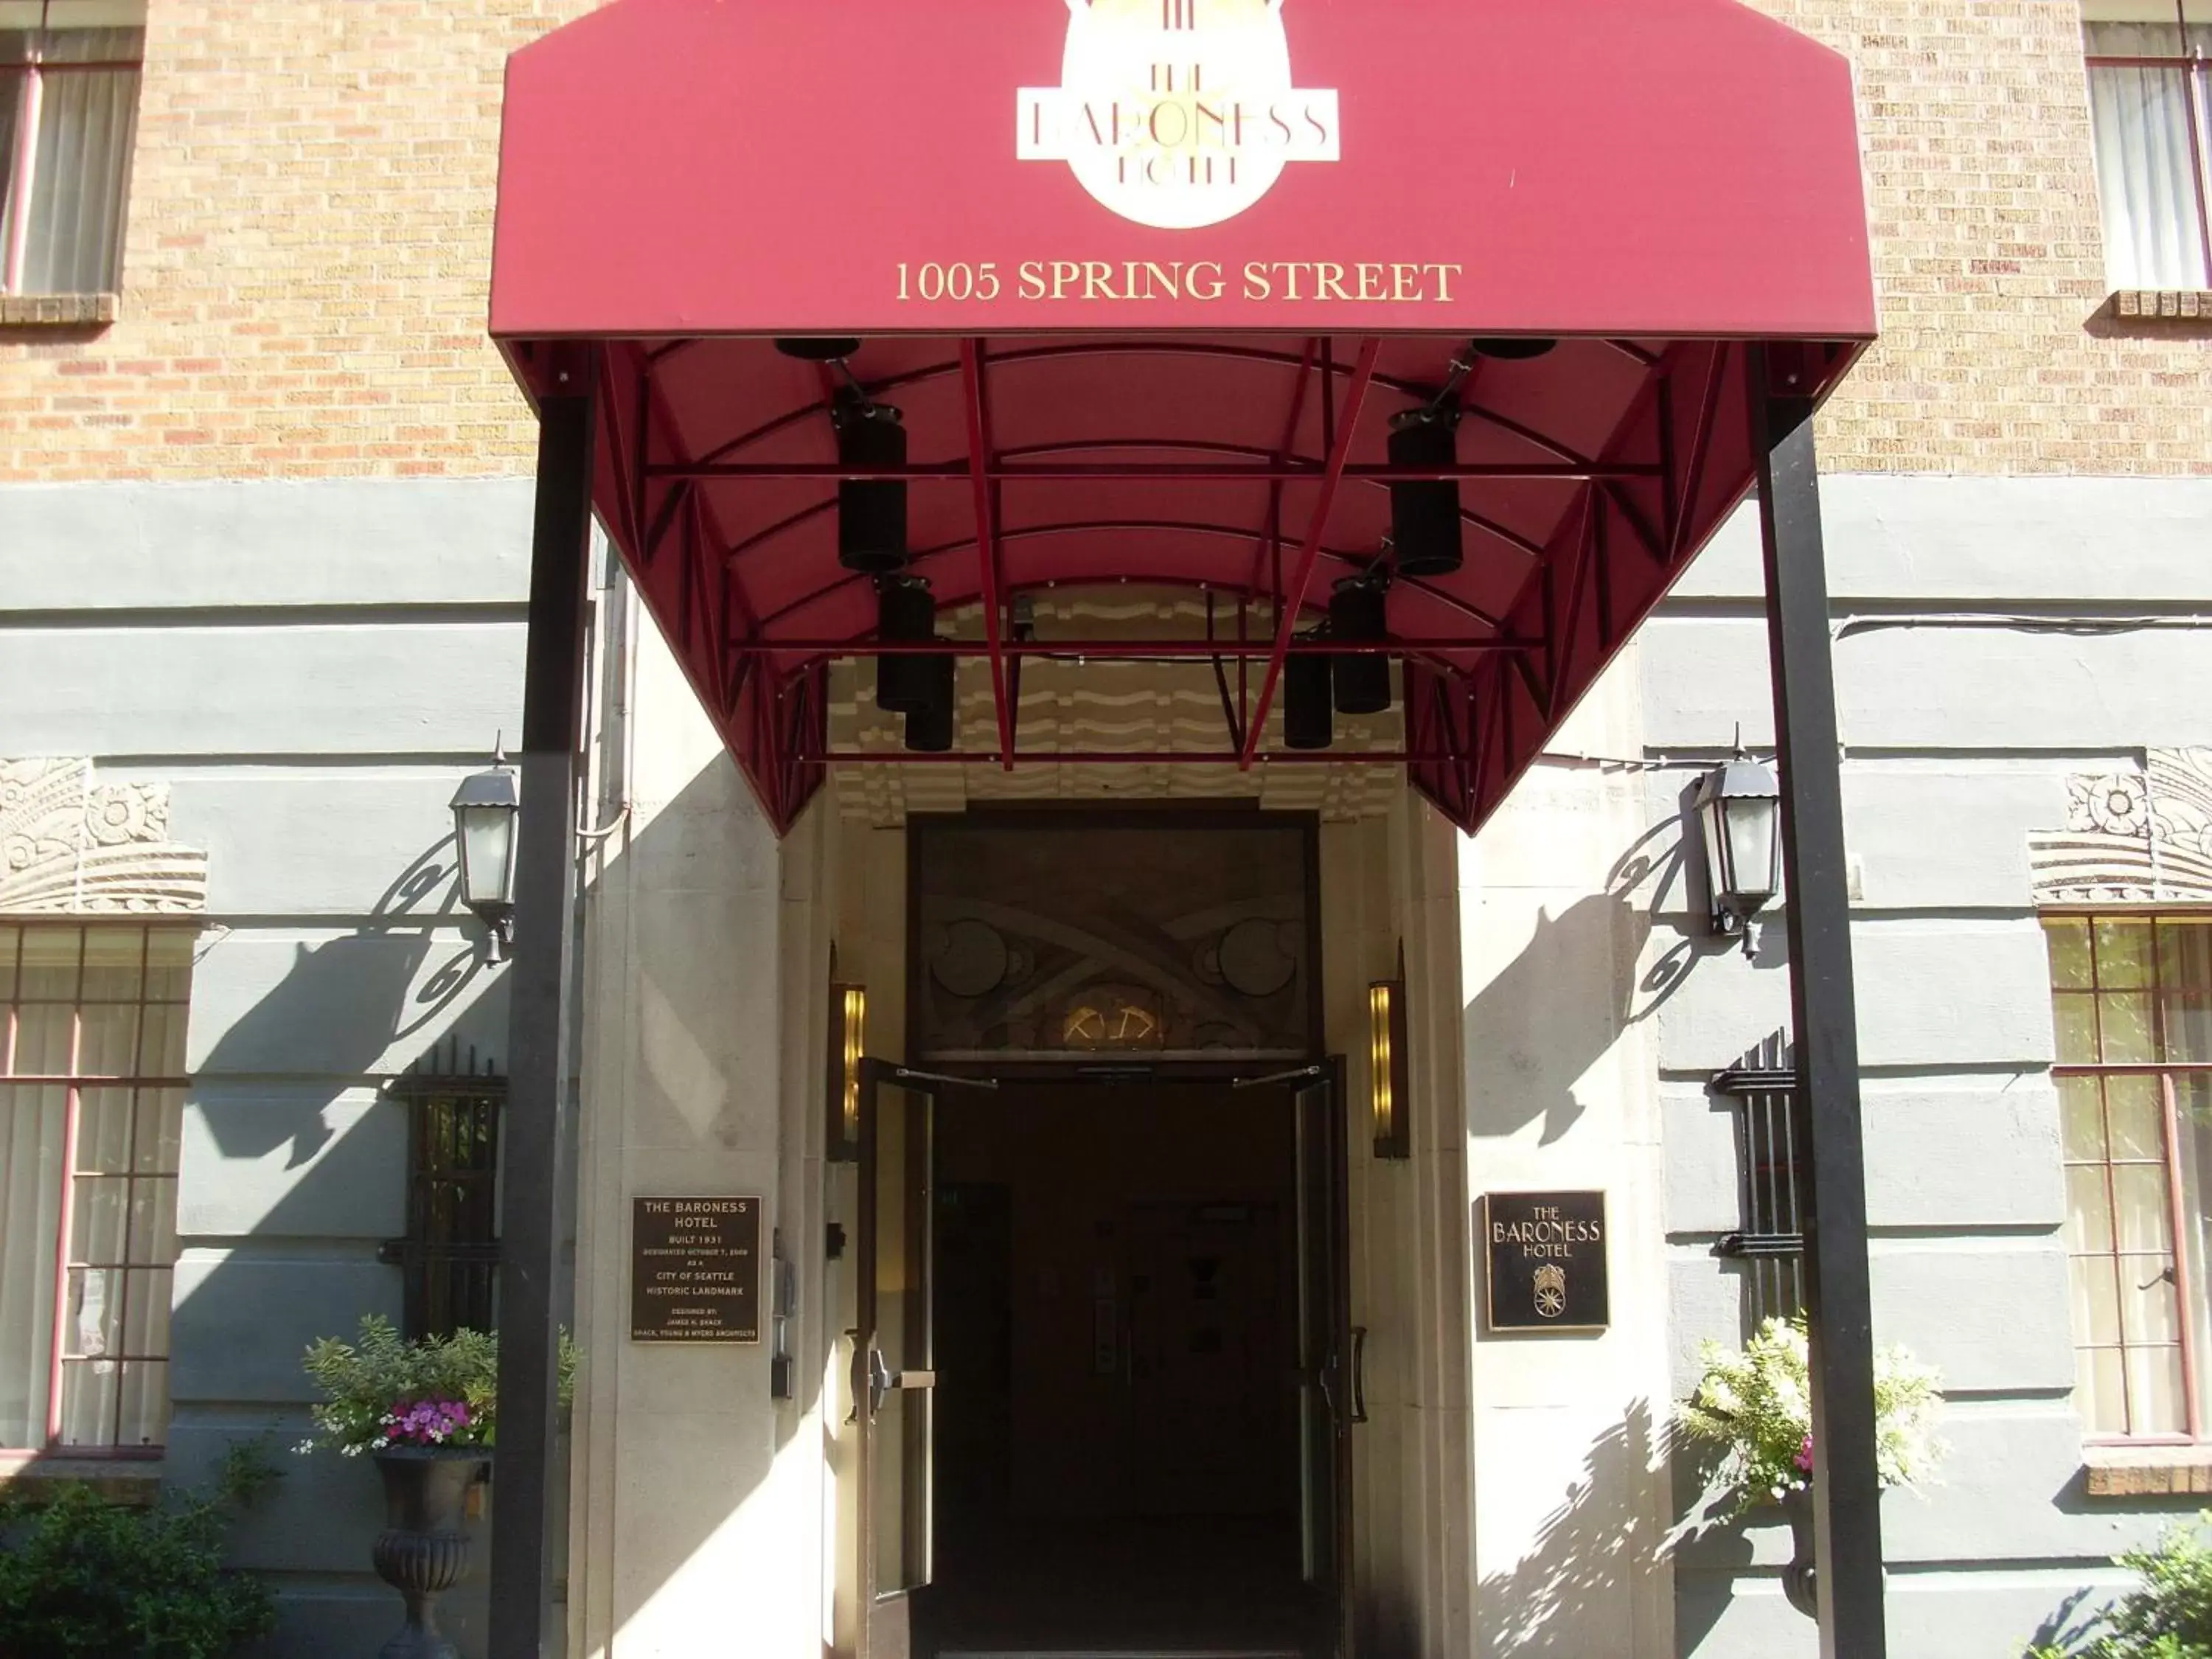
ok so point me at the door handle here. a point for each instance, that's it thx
(1359, 1373)
(881, 1379)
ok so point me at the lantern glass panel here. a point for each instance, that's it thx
(1751, 827)
(486, 835)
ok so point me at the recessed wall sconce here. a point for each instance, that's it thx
(1389, 1096)
(1739, 815)
(848, 1047)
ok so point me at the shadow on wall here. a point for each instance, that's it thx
(280, 1101)
(1569, 1594)
(282, 1089)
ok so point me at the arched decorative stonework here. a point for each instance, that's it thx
(2132, 837)
(70, 845)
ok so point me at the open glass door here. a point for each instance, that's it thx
(1326, 1382)
(894, 1360)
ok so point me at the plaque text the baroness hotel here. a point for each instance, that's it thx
(695, 1270)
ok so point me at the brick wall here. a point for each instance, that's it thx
(311, 225)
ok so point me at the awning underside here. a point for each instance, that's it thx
(1250, 467)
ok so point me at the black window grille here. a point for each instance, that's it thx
(1763, 1087)
(450, 1256)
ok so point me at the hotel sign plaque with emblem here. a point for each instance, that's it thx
(695, 1270)
(1545, 1256)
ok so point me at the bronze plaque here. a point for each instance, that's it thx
(1546, 1254)
(695, 1270)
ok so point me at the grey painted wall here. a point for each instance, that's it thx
(312, 668)
(1963, 711)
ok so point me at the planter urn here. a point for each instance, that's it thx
(422, 1553)
(1800, 1579)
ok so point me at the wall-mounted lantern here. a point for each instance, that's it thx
(486, 809)
(1739, 816)
(848, 1047)
(1390, 1102)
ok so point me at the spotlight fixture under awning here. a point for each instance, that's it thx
(1176, 362)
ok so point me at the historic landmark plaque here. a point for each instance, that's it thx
(695, 1270)
(1546, 1256)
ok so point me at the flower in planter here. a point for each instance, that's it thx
(382, 1392)
(1757, 1405)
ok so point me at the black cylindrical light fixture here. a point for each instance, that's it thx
(932, 725)
(1424, 521)
(1357, 613)
(871, 512)
(906, 614)
(1309, 719)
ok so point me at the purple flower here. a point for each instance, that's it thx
(1804, 1458)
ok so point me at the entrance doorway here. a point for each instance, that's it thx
(1135, 1417)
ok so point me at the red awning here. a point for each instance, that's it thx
(1147, 279)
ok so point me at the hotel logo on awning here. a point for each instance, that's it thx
(1176, 113)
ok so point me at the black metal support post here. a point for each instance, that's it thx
(1831, 1200)
(530, 1216)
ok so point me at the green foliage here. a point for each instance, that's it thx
(368, 1380)
(2168, 1614)
(1758, 1405)
(84, 1578)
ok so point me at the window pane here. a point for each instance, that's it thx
(114, 964)
(161, 1047)
(169, 964)
(2147, 1299)
(87, 121)
(146, 1314)
(144, 1404)
(2155, 1391)
(2080, 1115)
(2101, 1396)
(88, 1399)
(31, 1121)
(100, 1219)
(2188, 1021)
(2146, 169)
(46, 1033)
(94, 1305)
(160, 1131)
(103, 1131)
(2096, 1300)
(50, 964)
(2123, 1022)
(109, 1044)
(2135, 1109)
(2124, 954)
(2184, 956)
(2069, 954)
(2088, 1211)
(2139, 1195)
(153, 1222)
(2075, 1017)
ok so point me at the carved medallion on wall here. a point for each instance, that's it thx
(2132, 837)
(70, 845)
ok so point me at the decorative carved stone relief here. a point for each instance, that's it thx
(2132, 837)
(72, 846)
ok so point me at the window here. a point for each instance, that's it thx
(68, 111)
(92, 1091)
(2133, 997)
(2150, 97)
(451, 1253)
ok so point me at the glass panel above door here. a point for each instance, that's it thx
(1156, 937)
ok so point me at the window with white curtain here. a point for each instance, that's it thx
(68, 113)
(2132, 994)
(92, 1092)
(2150, 97)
